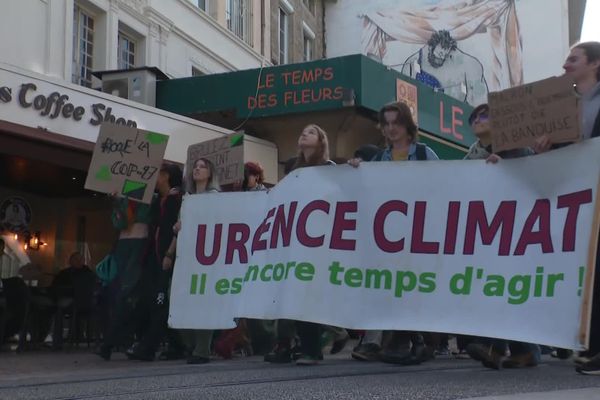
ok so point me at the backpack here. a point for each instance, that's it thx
(421, 153)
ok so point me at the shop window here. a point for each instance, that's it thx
(308, 48)
(284, 22)
(238, 14)
(83, 47)
(126, 58)
(203, 5)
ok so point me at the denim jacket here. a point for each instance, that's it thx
(386, 155)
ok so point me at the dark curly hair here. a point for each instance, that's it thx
(442, 38)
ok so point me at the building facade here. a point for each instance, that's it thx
(297, 33)
(72, 38)
(51, 108)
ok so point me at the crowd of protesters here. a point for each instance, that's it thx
(144, 256)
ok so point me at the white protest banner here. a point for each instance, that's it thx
(503, 250)
(126, 160)
(520, 115)
(226, 153)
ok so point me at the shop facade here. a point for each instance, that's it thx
(47, 133)
(341, 94)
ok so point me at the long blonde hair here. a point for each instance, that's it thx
(321, 154)
(213, 181)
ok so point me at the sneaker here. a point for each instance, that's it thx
(442, 351)
(488, 357)
(582, 358)
(139, 355)
(367, 352)
(520, 361)
(423, 352)
(461, 355)
(591, 367)
(169, 355)
(564, 354)
(307, 360)
(280, 355)
(402, 357)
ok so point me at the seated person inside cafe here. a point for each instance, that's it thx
(73, 290)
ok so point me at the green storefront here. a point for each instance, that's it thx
(342, 95)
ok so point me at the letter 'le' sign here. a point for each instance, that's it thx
(126, 161)
(520, 115)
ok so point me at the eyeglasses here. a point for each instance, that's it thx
(483, 117)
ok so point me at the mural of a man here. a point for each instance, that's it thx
(439, 27)
(443, 66)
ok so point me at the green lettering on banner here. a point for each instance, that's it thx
(222, 286)
(305, 272)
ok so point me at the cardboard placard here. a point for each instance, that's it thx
(226, 153)
(520, 115)
(126, 161)
(408, 93)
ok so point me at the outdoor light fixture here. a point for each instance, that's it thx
(32, 241)
(35, 241)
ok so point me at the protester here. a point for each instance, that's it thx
(400, 132)
(159, 264)
(202, 179)
(254, 177)
(313, 150)
(583, 66)
(482, 148)
(491, 352)
(133, 220)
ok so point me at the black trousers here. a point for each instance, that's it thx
(595, 321)
(310, 338)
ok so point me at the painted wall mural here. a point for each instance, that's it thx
(440, 29)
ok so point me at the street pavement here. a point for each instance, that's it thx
(81, 375)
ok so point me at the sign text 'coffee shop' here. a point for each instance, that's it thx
(56, 105)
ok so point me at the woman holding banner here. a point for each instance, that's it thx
(313, 150)
(201, 179)
(400, 133)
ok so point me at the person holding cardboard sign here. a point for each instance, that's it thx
(491, 351)
(156, 291)
(132, 219)
(482, 148)
(583, 66)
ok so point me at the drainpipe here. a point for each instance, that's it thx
(262, 28)
(324, 52)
